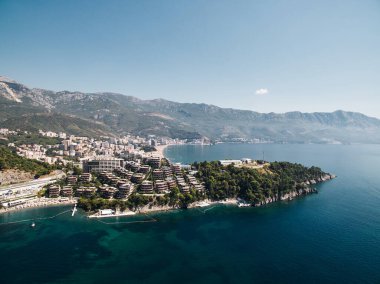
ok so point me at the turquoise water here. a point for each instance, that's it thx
(330, 237)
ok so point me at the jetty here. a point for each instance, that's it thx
(74, 210)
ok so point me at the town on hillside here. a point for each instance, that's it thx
(109, 168)
(110, 176)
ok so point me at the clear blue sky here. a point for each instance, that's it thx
(304, 55)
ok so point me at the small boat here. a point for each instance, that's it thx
(241, 204)
(33, 225)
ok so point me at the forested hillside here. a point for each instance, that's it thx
(10, 160)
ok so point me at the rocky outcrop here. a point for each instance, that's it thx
(14, 176)
(307, 189)
(7, 93)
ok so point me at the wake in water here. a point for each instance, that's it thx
(204, 211)
(34, 219)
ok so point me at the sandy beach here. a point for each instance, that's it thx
(160, 151)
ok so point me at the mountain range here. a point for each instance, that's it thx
(96, 114)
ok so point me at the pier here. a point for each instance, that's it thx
(74, 210)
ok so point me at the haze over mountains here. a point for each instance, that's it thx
(114, 114)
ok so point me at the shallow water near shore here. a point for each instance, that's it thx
(329, 237)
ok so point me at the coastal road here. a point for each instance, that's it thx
(28, 188)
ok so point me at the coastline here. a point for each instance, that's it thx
(160, 151)
(35, 203)
(207, 203)
(155, 209)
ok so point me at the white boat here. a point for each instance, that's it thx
(33, 225)
(241, 204)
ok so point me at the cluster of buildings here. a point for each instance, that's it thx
(36, 152)
(56, 191)
(52, 134)
(78, 148)
(242, 162)
(110, 177)
(6, 131)
(111, 167)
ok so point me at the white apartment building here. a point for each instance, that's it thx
(101, 164)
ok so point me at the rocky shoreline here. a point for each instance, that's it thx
(300, 192)
(154, 209)
(39, 202)
(236, 202)
(306, 188)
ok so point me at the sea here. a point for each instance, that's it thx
(329, 237)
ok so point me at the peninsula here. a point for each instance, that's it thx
(244, 183)
(111, 176)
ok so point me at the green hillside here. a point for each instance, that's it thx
(58, 123)
(10, 160)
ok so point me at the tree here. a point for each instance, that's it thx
(185, 200)
(77, 171)
(174, 196)
(85, 204)
(136, 201)
(162, 200)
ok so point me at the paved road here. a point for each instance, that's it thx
(28, 188)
